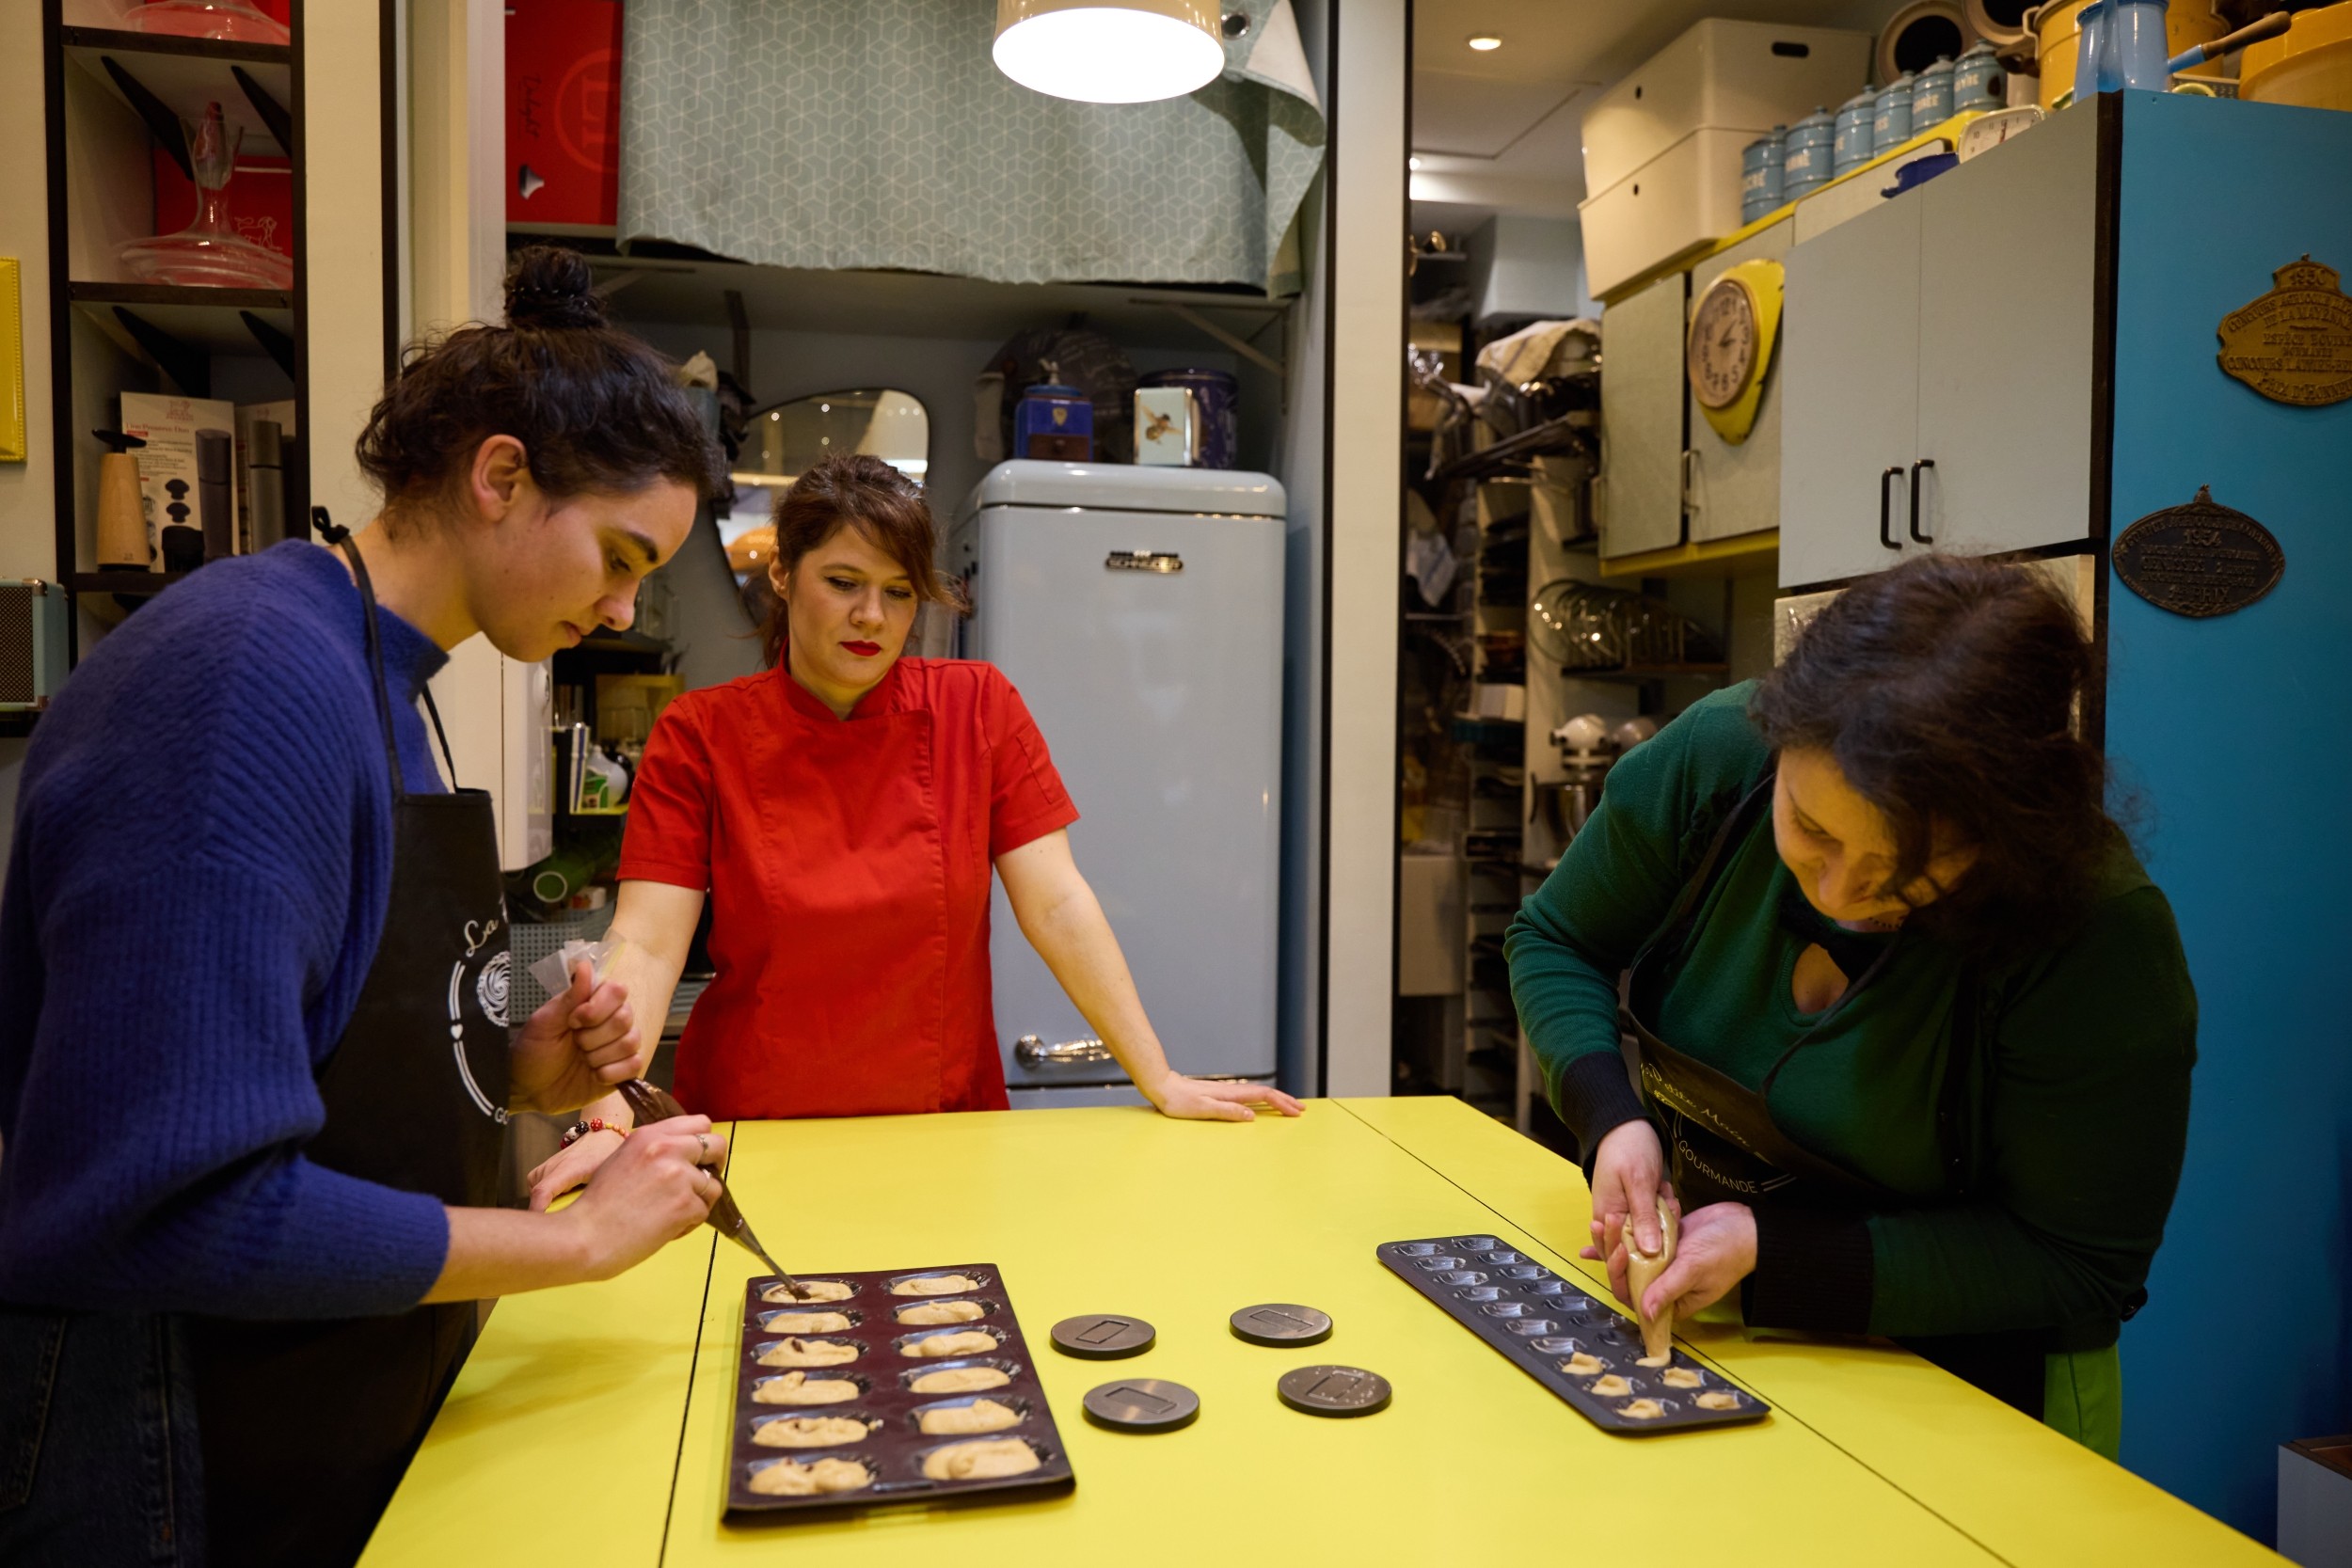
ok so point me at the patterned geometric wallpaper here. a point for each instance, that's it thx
(858, 134)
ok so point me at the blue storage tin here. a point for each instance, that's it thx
(1762, 168)
(1850, 146)
(1978, 83)
(1806, 168)
(1931, 96)
(1890, 115)
(1054, 422)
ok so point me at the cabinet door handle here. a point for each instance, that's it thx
(1886, 510)
(1917, 536)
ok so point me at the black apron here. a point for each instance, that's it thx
(307, 1425)
(1723, 1144)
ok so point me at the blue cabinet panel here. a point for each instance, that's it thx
(2236, 735)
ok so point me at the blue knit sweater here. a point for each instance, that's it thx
(199, 876)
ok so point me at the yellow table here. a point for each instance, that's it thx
(591, 1424)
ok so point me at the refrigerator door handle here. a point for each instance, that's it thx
(1032, 1052)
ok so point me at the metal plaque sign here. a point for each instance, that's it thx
(2294, 343)
(2199, 560)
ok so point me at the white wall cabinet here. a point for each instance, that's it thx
(1638, 493)
(1938, 364)
(1736, 489)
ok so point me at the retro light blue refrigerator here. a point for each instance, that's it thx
(1138, 611)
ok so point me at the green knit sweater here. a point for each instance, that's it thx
(2075, 1111)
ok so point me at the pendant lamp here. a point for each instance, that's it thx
(1131, 52)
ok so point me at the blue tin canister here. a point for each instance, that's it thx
(1850, 146)
(1055, 423)
(1216, 399)
(1931, 96)
(1762, 168)
(1890, 115)
(1806, 166)
(1978, 83)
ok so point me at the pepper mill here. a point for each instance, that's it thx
(123, 542)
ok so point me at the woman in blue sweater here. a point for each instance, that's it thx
(254, 1055)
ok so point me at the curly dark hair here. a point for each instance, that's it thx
(881, 503)
(595, 409)
(1946, 691)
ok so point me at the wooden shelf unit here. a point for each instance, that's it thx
(112, 333)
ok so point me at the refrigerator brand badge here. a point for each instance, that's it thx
(2294, 343)
(2199, 560)
(1144, 561)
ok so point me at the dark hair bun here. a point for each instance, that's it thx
(552, 289)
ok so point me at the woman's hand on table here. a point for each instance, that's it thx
(1209, 1100)
(1628, 1178)
(575, 1047)
(653, 1189)
(1716, 1251)
(572, 1165)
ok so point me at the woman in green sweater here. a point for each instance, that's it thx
(1911, 1029)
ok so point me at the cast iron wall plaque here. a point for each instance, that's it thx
(2294, 343)
(2199, 560)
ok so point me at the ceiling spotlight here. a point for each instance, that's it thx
(1133, 52)
(1485, 42)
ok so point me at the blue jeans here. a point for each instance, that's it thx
(98, 1463)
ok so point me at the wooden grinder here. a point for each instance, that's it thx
(122, 539)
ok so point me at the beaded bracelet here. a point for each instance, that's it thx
(580, 1130)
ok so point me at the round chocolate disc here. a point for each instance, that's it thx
(1281, 1322)
(1142, 1404)
(1334, 1391)
(1103, 1336)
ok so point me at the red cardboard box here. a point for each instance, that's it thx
(564, 113)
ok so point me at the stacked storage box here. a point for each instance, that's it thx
(1661, 148)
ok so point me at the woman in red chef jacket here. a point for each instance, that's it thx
(843, 811)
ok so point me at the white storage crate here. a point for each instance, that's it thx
(1661, 148)
(1723, 75)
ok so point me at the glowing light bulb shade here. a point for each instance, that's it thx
(1134, 53)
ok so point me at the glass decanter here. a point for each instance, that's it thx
(232, 20)
(209, 253)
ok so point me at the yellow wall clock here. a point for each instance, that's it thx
(1729, 348)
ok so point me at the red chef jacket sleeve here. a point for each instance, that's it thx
(1027, 800)
(671, 804)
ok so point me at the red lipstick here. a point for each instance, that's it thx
(864, 650)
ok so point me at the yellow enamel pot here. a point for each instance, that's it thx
(2309, 65)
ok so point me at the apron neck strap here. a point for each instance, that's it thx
(342, 539)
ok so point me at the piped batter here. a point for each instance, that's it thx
(935, 1285)
(979, 1415)
(809, 1432)
(808, 1322)
(941, 1312)
(1680, 1377)
(985, 1461)
(1717, 1399)
(811, 1290)
(799, 1388)
(1611, 1387)
(808, 1352)
(970, 1342)
(1583, 1363)
(961, 1380)
(789, 1478)
(1641, 1410)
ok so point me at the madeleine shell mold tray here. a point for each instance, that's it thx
(891, 1390)
(1545, 1325)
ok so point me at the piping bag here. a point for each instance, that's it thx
(647, 1103)
(1641, 1269)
